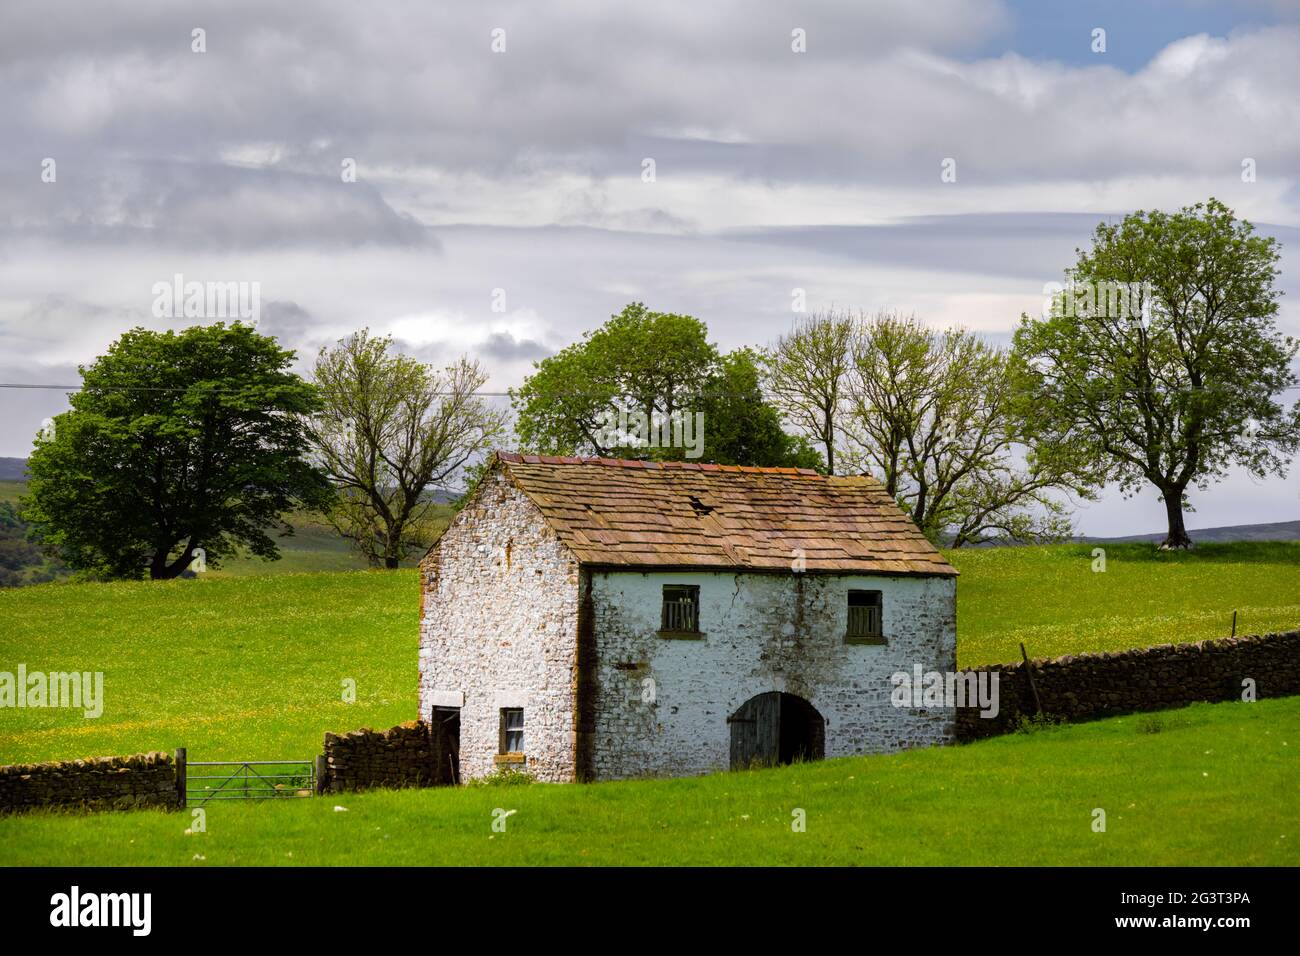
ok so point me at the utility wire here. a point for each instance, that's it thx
(483, 394)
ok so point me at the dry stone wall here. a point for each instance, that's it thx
(98, 783)
(408, 755)
(1089, 686)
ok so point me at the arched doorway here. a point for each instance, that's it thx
(776, 728)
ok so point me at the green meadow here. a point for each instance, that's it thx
(1204, 785)
(1051, 598)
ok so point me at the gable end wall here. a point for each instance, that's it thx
(499, 626)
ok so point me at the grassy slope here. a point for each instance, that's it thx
(1217, 786)
(239, 667)
(251, 667)
(1050, 598)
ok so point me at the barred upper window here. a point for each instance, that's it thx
(681, 609)
(865, 617)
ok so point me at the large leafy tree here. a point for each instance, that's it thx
(177, 442)
(658, 365)
(1161, 363)
(742, 427)
(654, 363)
(389, 428)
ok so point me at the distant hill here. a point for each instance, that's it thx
(1277, 531)
(314, 546)
(15, 469)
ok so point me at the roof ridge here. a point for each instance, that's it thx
(521, 459)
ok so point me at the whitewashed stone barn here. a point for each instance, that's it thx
(592, 619)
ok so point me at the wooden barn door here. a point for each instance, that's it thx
(756, 731)
(776, 728)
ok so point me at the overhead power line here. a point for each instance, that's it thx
(483, 394)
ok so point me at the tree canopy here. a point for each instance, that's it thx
(935, 415)
(178, 444)
(658, 371)
(1160, 362)
(388, 429)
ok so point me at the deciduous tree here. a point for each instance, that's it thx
(807, 371)
(1180, 376)
(177, 442)
(389, 428)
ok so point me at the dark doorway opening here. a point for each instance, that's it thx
(446, 723)
(776, 728)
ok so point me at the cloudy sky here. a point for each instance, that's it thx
(502, 146)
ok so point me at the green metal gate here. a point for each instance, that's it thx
(248, 780)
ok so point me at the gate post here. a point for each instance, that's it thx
(322, 771)
(180, 777)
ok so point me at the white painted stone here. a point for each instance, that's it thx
(763, 632)
(511, 698)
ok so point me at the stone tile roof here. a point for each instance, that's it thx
(610, 511)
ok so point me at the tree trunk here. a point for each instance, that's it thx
(1177, 535)
(392, 546)
(158, 566)
(160, 570)
(828, 430)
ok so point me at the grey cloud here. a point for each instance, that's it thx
(1034, 247)
(290, 323)
(202, 206)
(504, 346)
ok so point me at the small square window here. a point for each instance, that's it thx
(681, 610)
(865, 618)
(512, 730)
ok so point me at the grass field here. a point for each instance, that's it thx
(235, 666)
(241, 667)
(1050, 598)
(1217, 785)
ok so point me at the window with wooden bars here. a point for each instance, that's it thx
(866, 625)
(681, 609)
(512, 730)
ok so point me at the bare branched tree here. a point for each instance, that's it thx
(892, 364)
(935, 414)
(391, 428)
(806, 372)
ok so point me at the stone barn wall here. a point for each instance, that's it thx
(99, 783)
(1088, 686)
(762, 632)
(499, 628)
